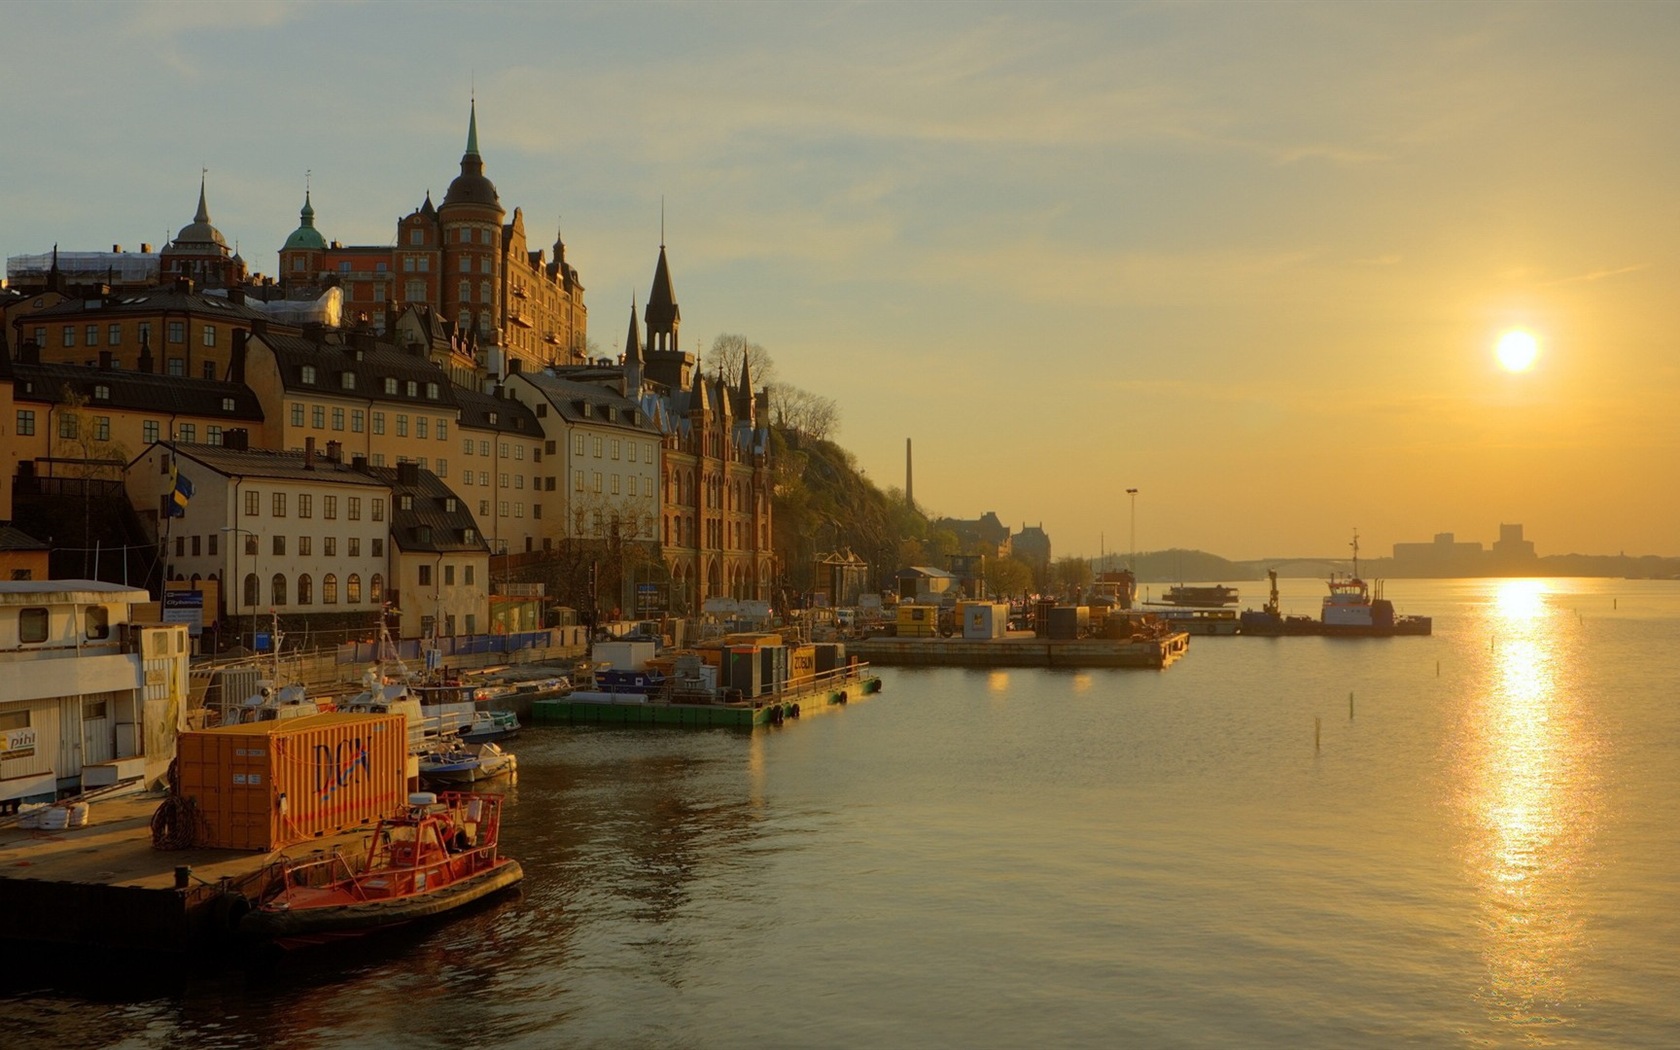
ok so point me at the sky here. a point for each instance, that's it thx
(1252, 260)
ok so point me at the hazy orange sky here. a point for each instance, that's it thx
(1251, 259)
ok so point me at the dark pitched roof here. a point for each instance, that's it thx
(371, 366)
(605, 405)
(13, 538)
(435, 519)
(138, 391)
(267, 463)
(149, 302)
(662, 309)
(488, 412)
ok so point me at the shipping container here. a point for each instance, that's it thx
(918, 621)
(985, 620)
(831, 656)
(1041, 617)
(773, 672)
(625, 656)
(802, 665)
(265, 785)
(743, 671)
(754, 638)
(1070, 621)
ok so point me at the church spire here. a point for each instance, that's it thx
(472, 129)
(203, 214)
(663, 317)
(633, 338)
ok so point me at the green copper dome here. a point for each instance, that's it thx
(306, 237)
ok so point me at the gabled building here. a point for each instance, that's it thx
(507, 472)
(440, 561)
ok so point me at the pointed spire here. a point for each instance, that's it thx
(472, 129)
(743, 394)
(662, 316)
(633, 338)
(203, 214)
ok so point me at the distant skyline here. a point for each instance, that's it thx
(1254, 261)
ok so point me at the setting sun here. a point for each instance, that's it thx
(1517, 351)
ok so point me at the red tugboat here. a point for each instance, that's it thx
(436, 855)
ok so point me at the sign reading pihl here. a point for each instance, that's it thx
(20, 743)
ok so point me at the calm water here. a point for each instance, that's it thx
(1482, 852)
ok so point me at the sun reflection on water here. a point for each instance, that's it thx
(1529, 775)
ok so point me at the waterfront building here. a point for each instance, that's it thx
(1031, 546)
(91, 698)
(986, 534)
(22, 556)
(440, 564)
(506, 474)
(301, 535)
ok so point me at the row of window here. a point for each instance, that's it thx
(113, 333)
(278, 502)
(308, 375)
(185, 545)
(34, 623)
(278, 591)
(612, 446)
(424, 426)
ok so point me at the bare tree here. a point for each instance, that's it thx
(730, 349)
(802, 412)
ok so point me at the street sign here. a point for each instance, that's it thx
(185, 607)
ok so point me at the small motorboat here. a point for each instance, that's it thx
(487, 727)
(435, 855)
(466, 764)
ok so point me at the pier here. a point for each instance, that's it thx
(1156, 653)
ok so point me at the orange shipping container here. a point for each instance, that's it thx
(266, 785)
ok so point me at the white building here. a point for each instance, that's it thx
(89, 698)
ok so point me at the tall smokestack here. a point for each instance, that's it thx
(909, 478)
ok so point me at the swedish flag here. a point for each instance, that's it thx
(182, 493)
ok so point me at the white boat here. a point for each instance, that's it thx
(467, 764)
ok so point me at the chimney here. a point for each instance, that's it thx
(116, 249)
(315, 332)
(236, 294)
(104, 360)
(259, 326)
(146, 248)
(236, 356)
(236, 439)
(514, 365)
(145, 364)
(309, 453)
(408, 473)
(184, 285)
(335, 452)
(362, 339)
(29, 353)
(358, 464)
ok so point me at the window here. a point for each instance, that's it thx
(443, 429)
(251, 544)
(378, 508)
(318, 417)
(502, 480)
(306, 505)
(406, 502)
(69, 335)
(69, 426)
(209, 370)
(431, 391)
(347, 381)
(338, 419)
(353, 588)
(329, 507)
(425, 575)
(187, 432)
(305, 590)
(632, 451)
(577, 481)
(251, 596)
(297, 415)
(277, 589)
(413, 388)
(420, 426)
(213, 435)
(376, 588)
(466, 446)
(92, 335)
(32, 624)
(390, 385)
(209, 335)
(26, 424)
(210, 544)
(442, 468)
(306, 546)
(113, 335)
(176, 367)
(379, 422)
(279, 505)
(279, 544)
(253, 503)
(466, 477)
(307, 374)
(449, 575)
(502, 450)
(329, 589)
(378, 547)
(596, 444)
(416, 237)
(519, 452)
(180, 546)
(615, 484)
(355, 545)
(356, 418)
(402, 425)
(595, 481)
(148, 430)
(536, 510)
(484, 477)
(329, 546)
(227, 404)
(355, 508)
(501, 508)
(615, 448)
(96, 621)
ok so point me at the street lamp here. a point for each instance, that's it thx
(1133, 493)
(235, 530)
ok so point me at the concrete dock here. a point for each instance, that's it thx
(1022, 651)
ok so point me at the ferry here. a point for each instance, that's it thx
(1214, 595)
(1349, 610)
(1205, 622)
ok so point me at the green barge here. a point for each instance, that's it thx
(1155, 652)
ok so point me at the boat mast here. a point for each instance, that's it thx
(1355, 546)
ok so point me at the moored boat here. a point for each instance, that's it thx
(466, 764)
(439, 853)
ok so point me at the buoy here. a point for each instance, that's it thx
(842, 696)
(1350, 705)
(1318, 726)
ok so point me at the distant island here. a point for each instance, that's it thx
(1176, 566)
